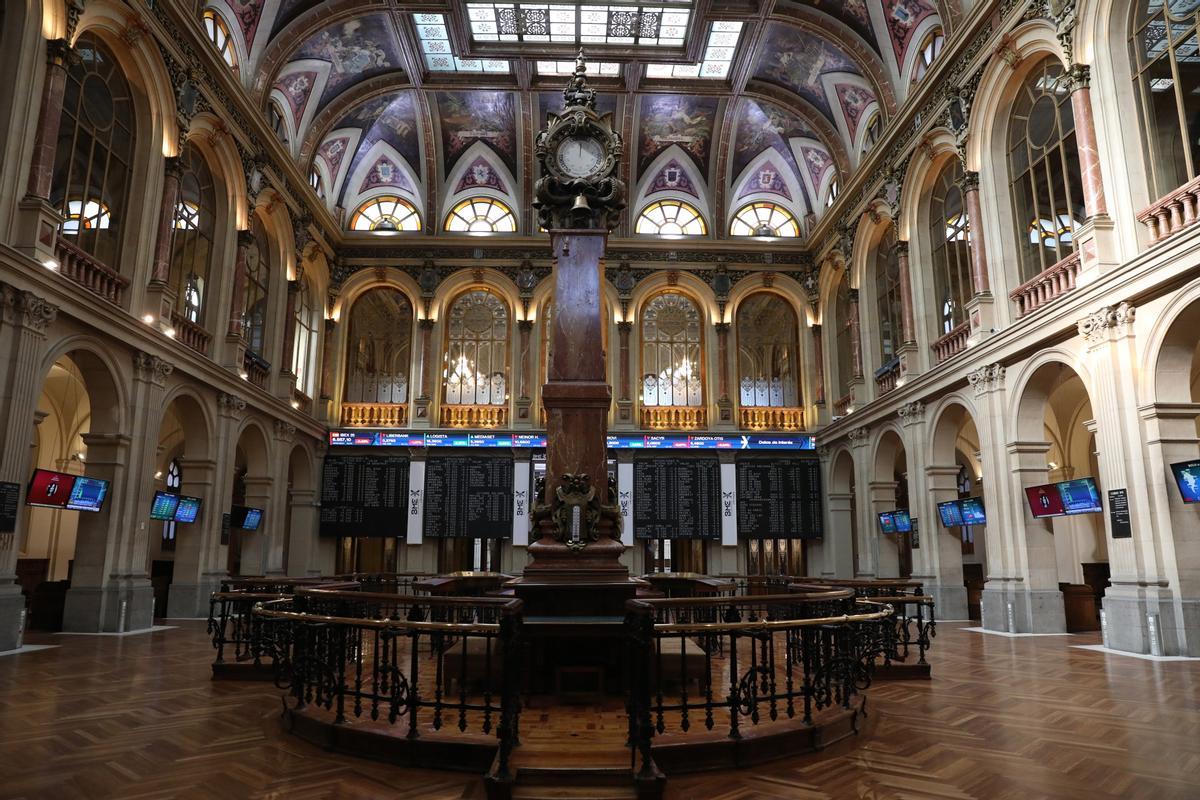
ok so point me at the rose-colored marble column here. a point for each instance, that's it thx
(237, 300)
(819, 364)
(289, 325)
(1085, 140)
(525, 327)
(327, 359)
(723, 361)
(161, 271)
(969, 184)
(624, 328)
(45, 144)
(855, 334)
(906, 302)
(426, 374)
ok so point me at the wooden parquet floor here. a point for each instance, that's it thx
(137, 718)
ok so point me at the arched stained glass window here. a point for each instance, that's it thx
(949, 240)
(192, 242)
(94, 157)
(764, 219)
(931, 48)
(887, 295)
(304, 347)
(768, 352)
(671, 352)
(218, 34)
(1043, 166)
(1166, 74)
(481, 215)
(386, 214)
(671, 218)
(258, 288)
(379, 347)
(476, 371)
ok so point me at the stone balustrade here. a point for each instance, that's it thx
(374, 415)
(454, 416)
(887, 376)
(673, 417)
(1048, 285)
(89, 273)
(1172, 213)
(841, 406)
(771, 418)
(952, 343)
(256, 369)
(189, 334)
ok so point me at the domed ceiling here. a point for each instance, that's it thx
(721, 103)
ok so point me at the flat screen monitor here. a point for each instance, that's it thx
(87, 494)
(887, 522)
(1044, 501)
(49, 489)
(188, 509)
(903, 521)
(1187, 475)
(245, 518)
(1080, 496)
(972, 511)
(164, 506)
(951, 513)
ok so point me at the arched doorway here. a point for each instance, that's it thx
(887, 492)
(955, 555)
(251, 479)
(182, 466)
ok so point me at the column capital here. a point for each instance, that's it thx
(969, 182)
(912, 413)
(901, 248)
(986, 379)
(722, 327)
(25, 309)
(57, 52)
(624, 326)
(245, 238)
(284, 431)
(523, 325)
(230, 405)
(1107, 322)
(173, 167)
(1079, 77)
(815, 328)
(426, 324)
(852, 294)
(859, 437)
(151, 368)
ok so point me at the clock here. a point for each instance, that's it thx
(579, 156)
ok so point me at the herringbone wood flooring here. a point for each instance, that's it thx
(1003, 719)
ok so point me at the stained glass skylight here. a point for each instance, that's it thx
(605, 69)
(629, 22)
(435, 47)
(718, 56)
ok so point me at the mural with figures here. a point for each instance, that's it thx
(390, 118)
(673, 119)
(469, 117)
(355, 49)
(902, 18)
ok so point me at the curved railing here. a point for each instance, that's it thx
(432, 662)
(393, 582)
(741, 661)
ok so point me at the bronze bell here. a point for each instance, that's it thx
(581, 203)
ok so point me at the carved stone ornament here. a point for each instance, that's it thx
(28, 310)
(580, 153)
(284, 431)
(230, 404)
(151, 368)
(911, 413)
(859, 436)
(987, 379)
(1096, 327)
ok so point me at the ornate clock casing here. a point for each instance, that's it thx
(567, 201)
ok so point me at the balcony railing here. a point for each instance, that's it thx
(841, 406)
(673, 417)
(257, 369)
(89, 273)
(474, 416)
(301, 401)
(771, 418)
(952, 343)
(1052, 283)
(887, 376)
(189, 334)
(374, 415)
(1172, 213)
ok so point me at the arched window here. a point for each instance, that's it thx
(275, 120)
(481, 215)
(379, 347)
(96, 141)
(874, 131)
(671, 352)
(844, 328)
(315, 181)
(476, 371)
(386, 214)
(949, 240)
(192, 243)
(174, 481)
(887, 295)
(304, 347)
(768, 352)
(1165, 64)
(832, 194)
(931, 48)
(764, 219)
(671, 218)
(218, 34)
(258, 288)
(1043, 166)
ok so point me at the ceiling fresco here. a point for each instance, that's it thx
(828, 67)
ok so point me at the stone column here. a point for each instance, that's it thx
(855, 335)
(525, 367)
(865, 529)
(327, 353)
(24, 318)
(424, 400)
(724, 404)
(302, 558)
(969, 183)
(907, 328)
(886, 548)
(624, 398)
(276, 529)
(818, 365)
(160, 294)
(941, 547)
(237, 300)
(289, 329)
(189, 596)
(1080, 81)
(257, 545)
(45, 143)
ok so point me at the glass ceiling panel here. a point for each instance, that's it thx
(661, 24)
(605, 69)
(435, 49)
(718, 56)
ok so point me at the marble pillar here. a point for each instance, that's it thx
(818, 365)
(289, 329)
(907, 327)
(45, 144)
(329, 344)
(975, 241)
(855, 335)
(237, 301)
(1080, 81)
(624, 397)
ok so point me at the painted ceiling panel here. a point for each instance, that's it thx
(799, 61)
(391, 118)
(669, 119)
(469, 117)
(356, 49)
(854, 14)
(902, 18)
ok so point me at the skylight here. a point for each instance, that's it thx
(435, 46)
(718, 56)
(661, 24)
(605, 69)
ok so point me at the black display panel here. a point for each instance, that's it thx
(779, 498)
(364, 495)
(677, 498)
(469, 496)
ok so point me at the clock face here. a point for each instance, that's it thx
(579, 156)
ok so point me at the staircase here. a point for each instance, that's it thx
(582, 781)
